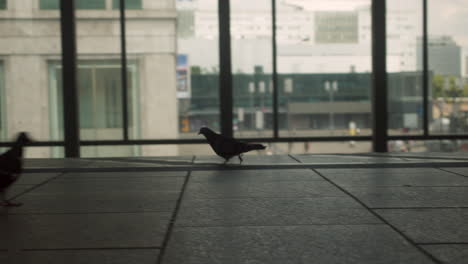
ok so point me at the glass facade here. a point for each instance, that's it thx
(251, 38)
(324, 69)
(324, 73)
(405, 78)
(447, 46)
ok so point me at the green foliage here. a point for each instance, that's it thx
(447, 87)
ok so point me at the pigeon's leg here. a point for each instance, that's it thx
(240, 158)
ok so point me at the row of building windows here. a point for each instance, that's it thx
(83, 4)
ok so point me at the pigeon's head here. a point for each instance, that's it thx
(23, 138)
(204, 131)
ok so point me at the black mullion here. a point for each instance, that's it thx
(69, 75)
(425, 72)
(124, 69)
(275, 73)
(225, 74)
(379, 76)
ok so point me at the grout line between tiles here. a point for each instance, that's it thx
(452, 172)
(382, 219)
(173, 218)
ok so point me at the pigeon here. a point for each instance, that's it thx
(11, 167)
(226, 147)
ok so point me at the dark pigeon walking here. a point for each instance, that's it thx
(227, 147)
(11, 167)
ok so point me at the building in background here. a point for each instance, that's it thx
(30, 73)
(445, 56)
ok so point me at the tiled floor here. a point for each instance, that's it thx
(367, 208)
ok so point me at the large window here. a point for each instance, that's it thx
(100, 102)
(3, 4)
(405, 78)
(447, 46)
(324, 69)
(251, 39)
(197, 68)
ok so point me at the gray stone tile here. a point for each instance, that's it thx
(379, 171)
(117, 256)
(109, 185)
(461, 170)
(453, 254)
(66, 231)
(123, 164)
(17, 189)
(245, 189)
(376, 244)
(410, 179)
(273, 211)
(35, 178)
(345, 159)
(55, 163)
(129, 201)
(411, 196)
(255, 175)
(430, 225)
(249, 159)
(124, 174)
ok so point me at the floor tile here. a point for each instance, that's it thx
(430, 225)
(462, 170)
(375, 244)
(451, 254)
(377, 197)
(109, 185)
(128, 201)
(411, 179)
(116, 256)
(124, 174)
(35, 178)
(87, 230)
(255, 175)
(379, 171)
(273, 211)
(223, 189)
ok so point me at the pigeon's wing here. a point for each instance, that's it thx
(226, 147)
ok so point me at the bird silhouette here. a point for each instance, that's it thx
(11, 166)
(226, 147)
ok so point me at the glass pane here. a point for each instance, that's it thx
(3, 4)
(79, 4)
(49, 4)
(129, 4)
(447, 46)
(100, 80)
(28, 43)
(324, 68)
(197, 69)
(251, 43)
(430, 146)
(404, 65)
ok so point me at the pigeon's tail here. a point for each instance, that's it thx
(255, 146)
